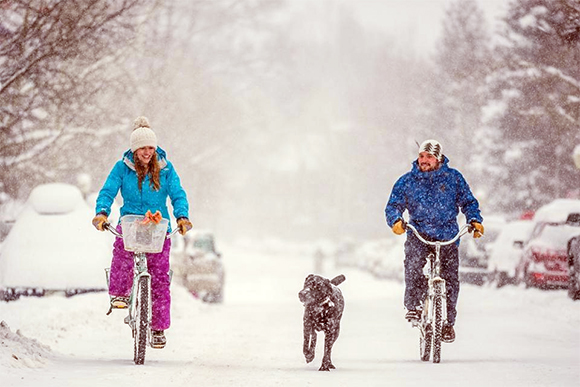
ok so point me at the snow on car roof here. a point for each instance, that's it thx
(55, 198)
(557, 211)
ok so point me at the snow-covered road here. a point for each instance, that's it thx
(506, 337)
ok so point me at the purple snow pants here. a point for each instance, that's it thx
(121, 280)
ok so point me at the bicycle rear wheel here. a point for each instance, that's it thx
(141, 327)
(437, 328)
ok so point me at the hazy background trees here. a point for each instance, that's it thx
(57, 61)
(289, 119)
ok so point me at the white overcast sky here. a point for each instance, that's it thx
(417, 22)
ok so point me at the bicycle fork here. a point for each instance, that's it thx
(436, 289)
(140, 272)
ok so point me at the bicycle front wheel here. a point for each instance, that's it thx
(425, 342)
(437, 328)
(141, 327)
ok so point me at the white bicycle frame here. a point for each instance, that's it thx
(436, 287)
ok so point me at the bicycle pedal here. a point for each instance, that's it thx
(119, 303)
(158, 346)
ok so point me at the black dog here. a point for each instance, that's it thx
(323, 306)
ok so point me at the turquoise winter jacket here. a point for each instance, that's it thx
(433, 200)
(123, 177)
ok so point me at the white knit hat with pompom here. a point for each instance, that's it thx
(142, 134)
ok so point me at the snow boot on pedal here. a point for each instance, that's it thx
(448, 334)
(158, 339)
(413, 315)
(118, 302)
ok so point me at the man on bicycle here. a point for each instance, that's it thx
(432, 193)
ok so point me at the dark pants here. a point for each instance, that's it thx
(415, 281)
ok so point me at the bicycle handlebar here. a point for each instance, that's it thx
(113, 230)
(464, 230)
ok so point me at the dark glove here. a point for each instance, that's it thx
(477, 229)
(184, 225)
(399, 227)
(99, 221)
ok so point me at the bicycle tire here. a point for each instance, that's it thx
(141, 321)
(437, 328)
(425, 342)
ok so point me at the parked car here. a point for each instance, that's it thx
(52, 247)
(376, 257)
(574, 259)
(544, 263)
(199, 267)
(474, 253)
(506, 251)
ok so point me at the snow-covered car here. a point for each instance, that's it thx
(557, 211)
(549, 243)
(506, 251)
(544, 263)
(383, 258)
(199, 267)
(474, 252)
(52, 246)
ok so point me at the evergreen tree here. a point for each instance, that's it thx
(462, 62)
(539, 87)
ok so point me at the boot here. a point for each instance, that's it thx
(158, 339)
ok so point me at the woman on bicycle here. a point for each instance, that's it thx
(145, 179)
(432, 193)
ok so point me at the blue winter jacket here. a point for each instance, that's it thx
(433, 200)
(135, 201)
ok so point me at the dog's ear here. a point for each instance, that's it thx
(338, 279)
(308, 279)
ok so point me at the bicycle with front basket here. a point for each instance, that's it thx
(141, 238)
(434, 311)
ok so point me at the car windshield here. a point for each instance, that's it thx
(205, 244)
(556, 235)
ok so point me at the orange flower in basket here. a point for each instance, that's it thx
(152, 218)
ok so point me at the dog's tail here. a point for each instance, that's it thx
(338, 280)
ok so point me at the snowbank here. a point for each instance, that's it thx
(18, 351)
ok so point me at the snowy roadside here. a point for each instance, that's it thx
(510, 336)
(19, 351)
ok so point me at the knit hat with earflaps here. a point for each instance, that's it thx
(433, 147)
(142, 134)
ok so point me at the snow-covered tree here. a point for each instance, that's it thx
(538, 88)
(462, 62)
(56, 60)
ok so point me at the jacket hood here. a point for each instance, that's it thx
(129, 158)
